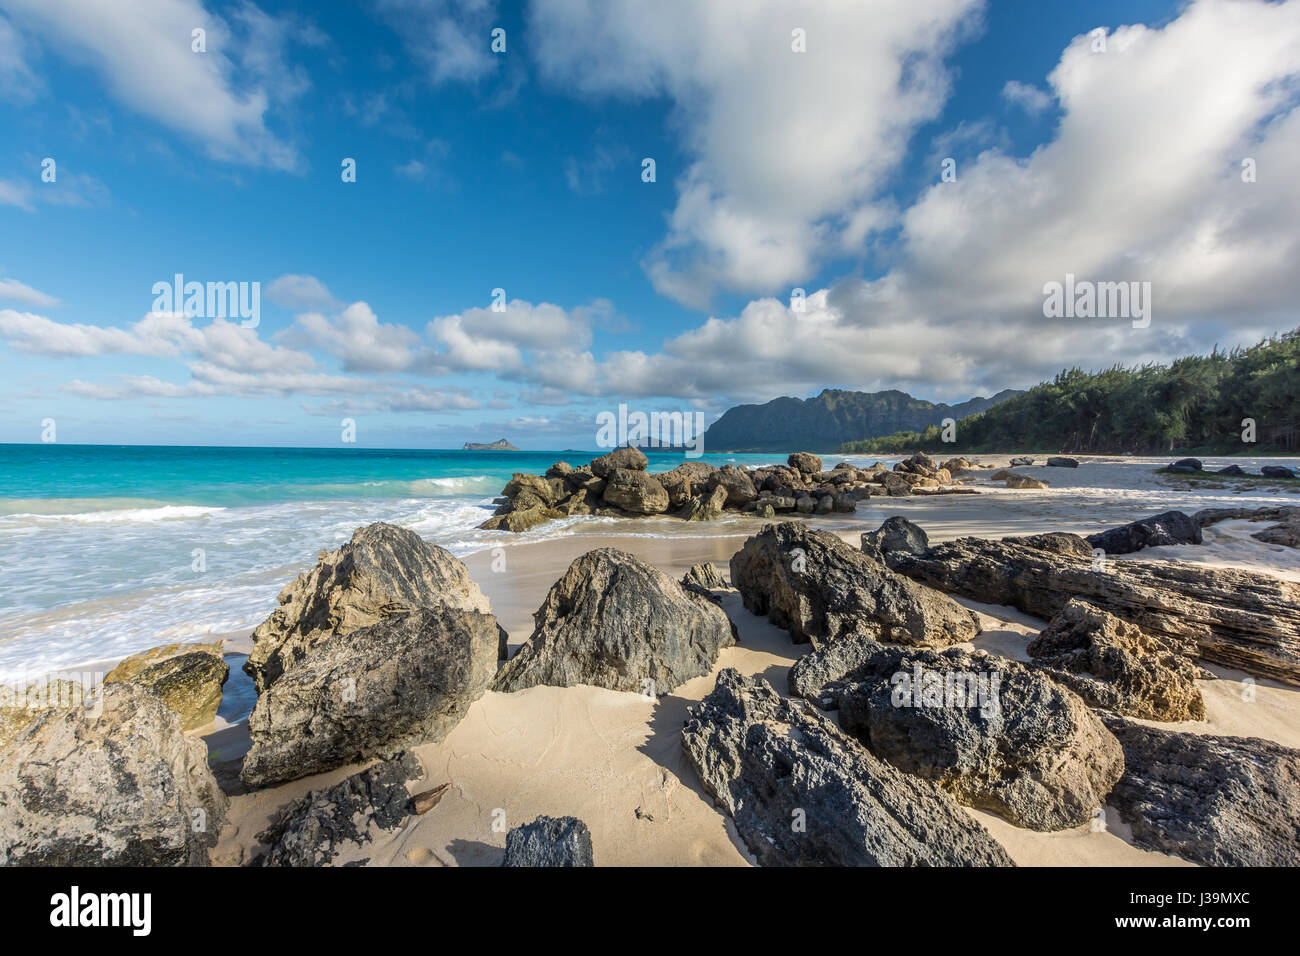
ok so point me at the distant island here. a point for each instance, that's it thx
(832, 418)
(499, 445)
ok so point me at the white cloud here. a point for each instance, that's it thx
(357, 337)
(449, 38)
(15, 291)
(789, 150)
(142, 49)
(1026, 95)
(300, 292)
(17, 81)
(1142, 182)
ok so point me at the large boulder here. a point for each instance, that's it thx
(372, 692)
(704, 579)
(317, 829)
(997, 735)
(894, 534)
(382, 571)
(805, 462)
(629, 458)
(895, 485)
(636, 492)
(1217, 801)
(738, 483)
(1277, 471)
(549, 842)
(801, 792)
(1242, 619)
(1025, 481)
(1059, 462)
(708, 506)
(1117, 666)
(614, 621)
(121, 787)
(820, 588)
(189, 683)
(1169, 527)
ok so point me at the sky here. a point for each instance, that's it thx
(859, 195)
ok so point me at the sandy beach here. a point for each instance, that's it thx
(614, 760)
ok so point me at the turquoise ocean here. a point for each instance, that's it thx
(107, 550)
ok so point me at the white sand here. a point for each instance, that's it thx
(614, 760)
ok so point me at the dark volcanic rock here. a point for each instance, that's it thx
(897, 533)
(1056, 542)
(383, 571)
(372, 692)
(805, 462)
(1235, 471)
(123, 788)
(820, 588)
(313, 830)
(614, 621)
(1242, 619)
(802, 792)
(1062, 463)
(1277, 471)
(636, 492)
(1169, 527)
(633, 459)
(1217, 801)
(1193, 464)
(1117, 666)
(996, 734)
(549, 841)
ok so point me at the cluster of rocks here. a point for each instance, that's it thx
(1192, 466)
(617, 485)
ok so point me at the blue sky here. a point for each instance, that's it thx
(775, 169)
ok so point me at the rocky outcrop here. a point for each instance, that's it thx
(316, 829)
(614, 621)
(636, 492)
(805, 462)
(1242, 619)
(1021, 462)
(381, 572)
(1117, 666)
(124, 787)
(896, 533)
(997, 735)
(372, 692)
(696, 491)
(1277, 471)
(820, 589)
(189, 683)
(1217, 801)
(549, 842)
(1169, 527)
(1062, 463)
(801, 792)
(628, 459)
(1024, 481)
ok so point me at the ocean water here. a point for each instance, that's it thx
(108, 550)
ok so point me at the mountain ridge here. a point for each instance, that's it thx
(833, 417)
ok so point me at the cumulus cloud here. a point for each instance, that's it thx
(1142, 182)
(300, 292)
(142, 49)
(357, 337)
(788, 150)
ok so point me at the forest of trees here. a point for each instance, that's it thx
(1195, 404)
